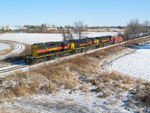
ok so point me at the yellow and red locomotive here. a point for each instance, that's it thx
(50, 50)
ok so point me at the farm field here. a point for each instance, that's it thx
(75, 56)
(136, 64)
(82, 87)
(31, 38)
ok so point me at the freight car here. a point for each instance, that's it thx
(50, 50)
(136, 35)
(117, 39)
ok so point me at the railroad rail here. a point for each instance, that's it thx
(6, 71)
(18, 48)
(11, 68)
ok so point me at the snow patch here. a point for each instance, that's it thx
(136, 64)
(67, 101)
(4, 46)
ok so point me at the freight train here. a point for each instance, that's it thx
(50, 50)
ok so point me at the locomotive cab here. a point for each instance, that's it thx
(50, 50)
(72, 44)
(34, 49)
(29, 59)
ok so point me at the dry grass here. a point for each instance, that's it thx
(49, 88)
(82, 65)
(107, 52)
(85, 87)
(142, 92)
(113, 82)
(137, 41)
(20, 91)
(49, 78)
(68, 74)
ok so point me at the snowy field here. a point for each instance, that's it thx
(70, 101)
(136, 64)
(31, 38)
(3, 46)
(66, 102)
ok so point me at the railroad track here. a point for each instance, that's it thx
(9, 69)
(18, 48)
(6, 70)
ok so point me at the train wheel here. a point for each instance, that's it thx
(72, 52)
(48, 57)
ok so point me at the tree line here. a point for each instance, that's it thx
(68, 32)
(77, 29)
(134, 27)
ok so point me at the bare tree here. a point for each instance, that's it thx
(66, 32)
(69, 32)
(79, 28)
(43, 28)
(134, 27)
(147, 25)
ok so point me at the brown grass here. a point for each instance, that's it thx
(112, 82)
(50, 77)
(68, 74)
(142, 93)
(19, 91)
(59, 74)
(81, 64)
(49, 88)
(137, 41)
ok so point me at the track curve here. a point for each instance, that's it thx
(18, 48)
(5, 71)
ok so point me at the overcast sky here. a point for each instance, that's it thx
(66, 12)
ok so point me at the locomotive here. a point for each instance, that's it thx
(50, 50)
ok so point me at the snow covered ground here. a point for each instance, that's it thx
(68, 102)
(4, 46)
(31, 38)
(136, 64)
